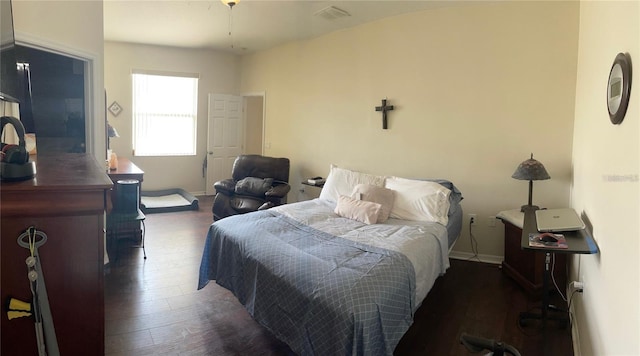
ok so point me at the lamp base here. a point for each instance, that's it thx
(529, 207)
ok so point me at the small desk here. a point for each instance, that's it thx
(125, 170)
(579, 242)
(118, 222)
(122, 226)
(525, 266)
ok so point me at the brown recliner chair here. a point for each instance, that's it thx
(257, 183)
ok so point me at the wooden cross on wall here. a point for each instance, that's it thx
(384, 108)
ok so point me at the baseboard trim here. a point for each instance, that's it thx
(457, 255)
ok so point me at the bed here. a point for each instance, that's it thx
(326, 278)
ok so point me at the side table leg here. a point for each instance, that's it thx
(543, 315)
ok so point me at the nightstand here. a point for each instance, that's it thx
(314, 185)
(525, 266)
(312, 193)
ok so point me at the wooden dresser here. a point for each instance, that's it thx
(67, 201)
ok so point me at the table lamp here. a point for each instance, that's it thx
(111, 132)
(112, 158)
(530, 170)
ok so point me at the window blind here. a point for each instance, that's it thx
(165, 110)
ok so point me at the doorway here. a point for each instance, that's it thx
(236, 126)
(52, 101)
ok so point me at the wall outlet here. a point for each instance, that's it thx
(473, 218)
(491, 222)
(577, 286)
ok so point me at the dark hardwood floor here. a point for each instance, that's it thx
(152, 306)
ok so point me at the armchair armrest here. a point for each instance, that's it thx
(226, 186)
(278, 191)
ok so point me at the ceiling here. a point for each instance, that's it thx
(255, 24)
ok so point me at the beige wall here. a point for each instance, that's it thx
(476, 89)
(218, 74)
(253, 124)
(606, 159)
(74, 28)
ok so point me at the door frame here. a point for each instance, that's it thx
(94, 100)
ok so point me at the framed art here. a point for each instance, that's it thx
(115, 108)
(619, 88)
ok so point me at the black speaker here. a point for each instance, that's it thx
(127, 196)
(15, 164)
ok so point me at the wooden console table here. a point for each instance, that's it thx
(126, 170)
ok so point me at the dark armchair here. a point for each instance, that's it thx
(256, 183)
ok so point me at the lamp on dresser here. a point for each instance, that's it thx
(530, 170)
(112, 158)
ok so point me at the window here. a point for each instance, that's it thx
(164, 114)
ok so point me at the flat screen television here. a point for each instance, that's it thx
(9, 89)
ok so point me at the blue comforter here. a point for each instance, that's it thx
(321, 294)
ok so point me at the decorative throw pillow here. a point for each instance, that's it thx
(419, 200)
(253, 186)
(380, 195)
(364, 211)
(342, 181)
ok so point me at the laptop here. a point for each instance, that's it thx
(558, 220)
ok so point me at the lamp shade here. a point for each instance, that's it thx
(230, 3)
(111, 131)
(531, 169)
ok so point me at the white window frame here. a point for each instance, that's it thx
(165, 120)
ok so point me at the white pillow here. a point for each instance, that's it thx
(342, 181)
(364, 211)
(418, 200)
(380, 195)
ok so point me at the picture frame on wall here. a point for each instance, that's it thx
(115, 109)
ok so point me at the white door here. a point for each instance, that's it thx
(225, 137)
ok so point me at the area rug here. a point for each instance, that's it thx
(168, 200)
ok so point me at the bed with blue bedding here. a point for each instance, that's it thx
(326, 284)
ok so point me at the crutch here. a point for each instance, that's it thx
(45, 331)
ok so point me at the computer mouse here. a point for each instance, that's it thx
(548, 238)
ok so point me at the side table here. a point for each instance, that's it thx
(121, 226)
(313, 193)
(578, 242)
(125, 170)
(116, 221)
(525, 266)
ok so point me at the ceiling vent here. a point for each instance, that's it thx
(332, 13)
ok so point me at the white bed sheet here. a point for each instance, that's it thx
(424, 243)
